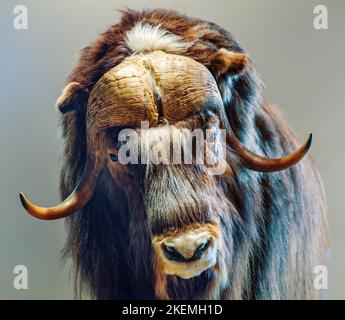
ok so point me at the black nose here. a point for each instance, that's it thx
(175, 253)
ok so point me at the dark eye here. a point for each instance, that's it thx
(113, 157)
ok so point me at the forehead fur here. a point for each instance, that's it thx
(146, 37)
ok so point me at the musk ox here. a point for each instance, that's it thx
(176, 231)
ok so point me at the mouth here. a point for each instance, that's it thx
(190, 269)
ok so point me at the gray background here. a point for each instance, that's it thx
(303, 69)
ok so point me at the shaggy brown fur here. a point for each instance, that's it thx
(273, 226)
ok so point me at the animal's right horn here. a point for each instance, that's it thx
(78, 198)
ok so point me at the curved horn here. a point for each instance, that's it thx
(261, 164)
(78, 198)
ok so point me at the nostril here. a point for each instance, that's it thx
(172, 254)
(200, 250)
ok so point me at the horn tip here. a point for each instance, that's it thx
(23, 200)
(309, 142)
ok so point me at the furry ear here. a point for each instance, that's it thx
(71, 97)
(229, 61)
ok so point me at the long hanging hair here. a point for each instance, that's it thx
(279, 229)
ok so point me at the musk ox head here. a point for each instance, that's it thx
(176, 218)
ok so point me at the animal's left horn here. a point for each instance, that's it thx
(261, 164)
